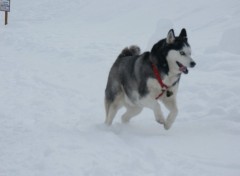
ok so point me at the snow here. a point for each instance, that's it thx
(54, 62)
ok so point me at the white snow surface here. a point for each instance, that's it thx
(54, 61)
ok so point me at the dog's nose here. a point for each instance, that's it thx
(192, 64)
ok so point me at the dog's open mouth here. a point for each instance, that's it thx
(182, 68)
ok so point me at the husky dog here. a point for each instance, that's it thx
(139, 80)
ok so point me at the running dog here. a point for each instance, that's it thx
(140, 80)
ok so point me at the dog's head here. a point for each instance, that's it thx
(173, 53)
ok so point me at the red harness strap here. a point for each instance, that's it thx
(157, 75)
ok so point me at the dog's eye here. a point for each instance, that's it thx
(182, 53)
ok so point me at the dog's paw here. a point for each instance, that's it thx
(125, 120)
(167, 126)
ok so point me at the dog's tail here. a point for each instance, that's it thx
(133, 50)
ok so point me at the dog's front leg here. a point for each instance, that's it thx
(171, 105)
(158, 113)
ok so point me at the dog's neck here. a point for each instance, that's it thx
(167, 80)
(171, 79)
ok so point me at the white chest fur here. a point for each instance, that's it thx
(154, 87)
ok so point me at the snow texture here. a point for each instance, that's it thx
(54, 62)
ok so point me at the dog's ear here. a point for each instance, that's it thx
(183, 33)
(170, 37)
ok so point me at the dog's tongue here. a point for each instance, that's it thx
(183, 69)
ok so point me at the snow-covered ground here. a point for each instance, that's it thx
(54, 61)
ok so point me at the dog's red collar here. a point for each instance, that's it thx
(160, 81)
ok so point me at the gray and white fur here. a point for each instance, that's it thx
(133, 85)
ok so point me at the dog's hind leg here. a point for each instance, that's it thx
(131, 112)
(111, 114)
(112, 108)
(107, 104)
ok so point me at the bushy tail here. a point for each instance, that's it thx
(133, 50)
